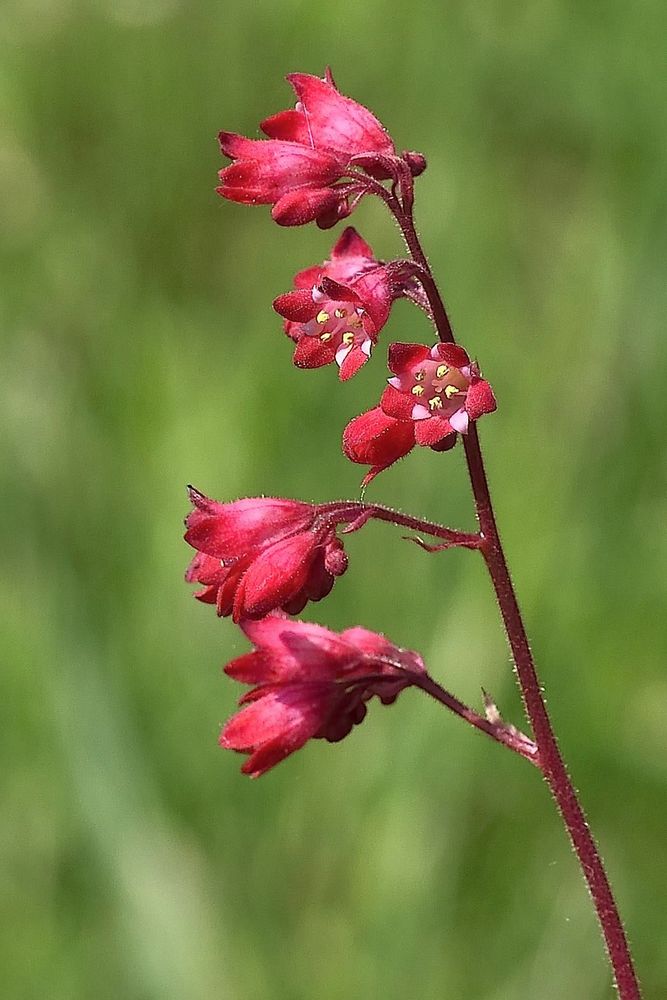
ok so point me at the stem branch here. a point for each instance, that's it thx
(507, 735)
(353, 510)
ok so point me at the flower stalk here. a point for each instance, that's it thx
(261, 560)
(550, 760)
(498, 730)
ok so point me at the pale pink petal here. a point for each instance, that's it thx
(459, 421)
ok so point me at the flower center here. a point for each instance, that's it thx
(436, 388)
(340, 325)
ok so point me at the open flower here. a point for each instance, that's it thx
(310, 149)
(310, 683)
(434, 394)
(338, 308)
(262, 553)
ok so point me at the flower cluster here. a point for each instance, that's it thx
(261, 559)
(310, 683)
(338, 309)
(259, 554)
(314, 163)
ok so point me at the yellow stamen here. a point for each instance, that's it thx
(451, 390)
(435, 403)
(418, 390)
(419, 376)
(441, 371)
(325, 336)
(339, 313)
(348, 338)
(322, 316)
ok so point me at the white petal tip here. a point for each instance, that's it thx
(459, 421)
(342, 353)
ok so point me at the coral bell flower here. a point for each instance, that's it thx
(259, 554)
(310, 683)
(338, 308)
(434, 394)
(309, 149)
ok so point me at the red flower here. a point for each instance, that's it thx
(434, 394)
(339, 307)
(311, 683)
(310, 148)
(262, 553)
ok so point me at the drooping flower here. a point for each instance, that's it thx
(309, 150)
(299, 181)
(338, 308)
(261, 553)
(434, 394)
(310, 683)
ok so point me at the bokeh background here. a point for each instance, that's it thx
(140, 352)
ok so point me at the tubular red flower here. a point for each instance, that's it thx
(262, 553)
(378, 440)
(309, 150)
(338, 309)
(310, 683)
(434, 394)
(325, 205)
(276, 575)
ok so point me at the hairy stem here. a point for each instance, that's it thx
(502, 733)
(550, 760)
(498, 730)
(353, 511)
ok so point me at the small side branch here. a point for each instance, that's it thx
(496, 728)
(357, 514)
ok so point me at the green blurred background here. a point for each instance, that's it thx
(416, 859)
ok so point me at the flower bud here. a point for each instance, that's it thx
(416, 162)
(335, 558)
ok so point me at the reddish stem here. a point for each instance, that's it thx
(350, 511)
(498, 730)
(550, 760)
(502, 733)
